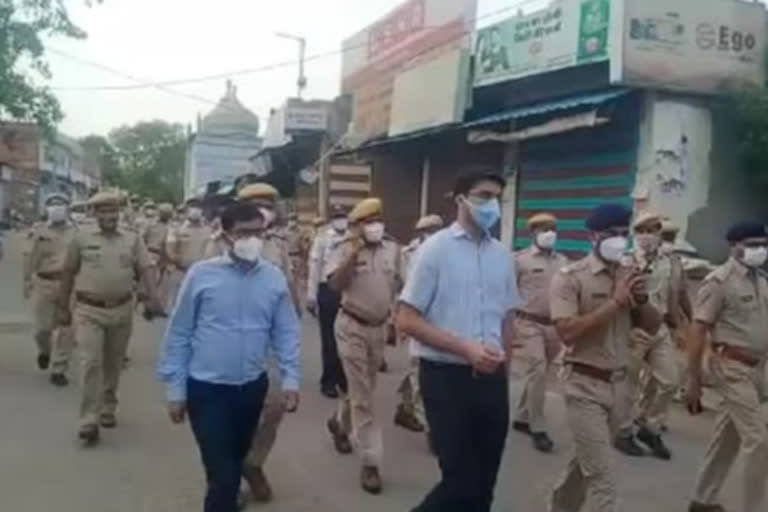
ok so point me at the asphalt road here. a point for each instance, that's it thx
(149, 465)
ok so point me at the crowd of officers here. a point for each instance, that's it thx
(89, 266)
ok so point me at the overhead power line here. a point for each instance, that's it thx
(145, 84)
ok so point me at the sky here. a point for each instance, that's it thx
(158, 40)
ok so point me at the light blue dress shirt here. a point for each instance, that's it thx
(228, 320)
(463, 287)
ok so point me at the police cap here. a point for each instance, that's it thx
(542, 219)
(647, 219)
(365, 209)
(607, 216)
(105, 199)
(744, 230)
(56, 197)
(258, 191)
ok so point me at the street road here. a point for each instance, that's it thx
(149, 465)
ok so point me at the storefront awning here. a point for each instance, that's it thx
(586, 100)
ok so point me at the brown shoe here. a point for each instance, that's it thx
(701, 507)
(406, 420)
(370, 479)
(340, 439)
(257, 481)
(89, 434)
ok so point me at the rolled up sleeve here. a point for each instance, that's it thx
(709, 302)
(286, 342)
(173, 366)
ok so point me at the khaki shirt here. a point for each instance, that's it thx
(48, 247)
(276, 252)
(406, 258)
(106, 266)
(734, 300)
(535, 269)
(323, 259)
(154, 236)
(579, 289)
(375, 282)
(187, 244)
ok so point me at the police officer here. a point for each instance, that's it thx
(535, 267)
(368, 279)
(43, 272)
(187, 243)
(663, 274)
(275, 251)
(732, 308)
(155, 234)
(323, 301)
(410, 411)
(594, 303)
(101, 266)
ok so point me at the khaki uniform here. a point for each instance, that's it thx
(535, 332)
(185, 245)
(361, 334)
(155, 235)
(105, 268)
(734, 301)
(410, 389)
(594, 406)
(656, 354)
(276, 252)
(47, 251)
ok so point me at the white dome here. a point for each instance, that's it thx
(230, 115)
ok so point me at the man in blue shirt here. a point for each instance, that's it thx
(458, 305)
(232, 312)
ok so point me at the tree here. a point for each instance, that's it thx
(749, 110)
(22, 59)
(146, 159)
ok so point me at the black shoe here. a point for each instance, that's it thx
(701, 507)
(383, 367)
(59, 380)
(522, 427)
(370, 480)
(628, 446)
(43, 361)
(89, 435)
(655, 443)
(108, 420)
(542, 442)
(340, 440)
(407, 420)
(329, 392)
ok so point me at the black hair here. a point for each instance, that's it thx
(467, 182)
(239, 212)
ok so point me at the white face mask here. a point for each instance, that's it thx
(194, 214)
(755, 256)
(269, 216)
(57, 213)
(248, 249)
(546, 240)
(647, 243)
(340, 224)
(613, 248)
(374, 232)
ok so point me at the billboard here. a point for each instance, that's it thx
(700, 46)
(415, 32)
(566, 33)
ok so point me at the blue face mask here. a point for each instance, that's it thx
(485, 214)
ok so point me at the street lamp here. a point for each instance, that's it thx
(301, 83)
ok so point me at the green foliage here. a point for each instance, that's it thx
(22, 59)
(145, 159)
(749, 110)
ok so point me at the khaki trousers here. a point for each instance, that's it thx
(272, 414)
(739, 430)
(410, 393)
(650, 401)
(102, 336)
(593, 411)
(361, 349)
(541, 344)
(46, 297)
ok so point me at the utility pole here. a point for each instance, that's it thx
(301, 83)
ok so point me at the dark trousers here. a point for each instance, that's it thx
(468, 418)
(224, 419)
(328, 301)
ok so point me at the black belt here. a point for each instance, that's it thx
(537, 319)
(598, 373)
(357, 318)
(100, 303)
(50, 276)
(737, 354)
